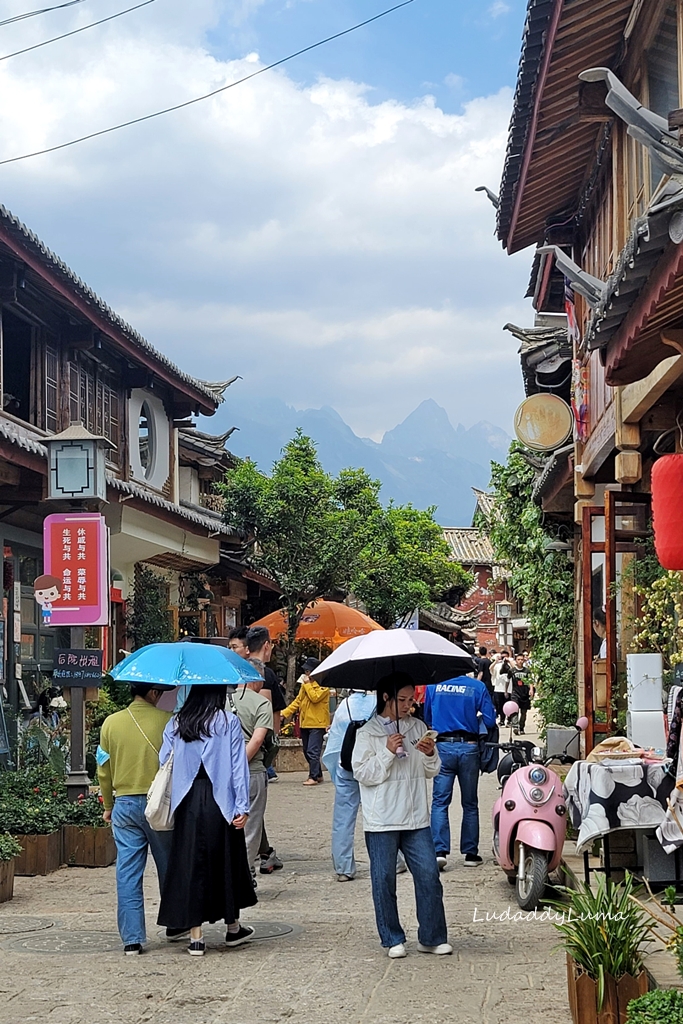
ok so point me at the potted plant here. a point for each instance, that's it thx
(663, 1006)
(88, 839)
(36, 823)
(9, 850)
(603, 934)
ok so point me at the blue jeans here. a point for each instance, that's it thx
(418, 848)
(133, 836)
(459, 760)
(346, 804)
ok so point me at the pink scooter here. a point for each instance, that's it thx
(530, 816)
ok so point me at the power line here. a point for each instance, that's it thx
(43, 10)
(75, 31)
(206, 96)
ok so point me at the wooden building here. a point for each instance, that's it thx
(66, 357)
(593, 178)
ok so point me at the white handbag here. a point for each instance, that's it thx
(158, 810)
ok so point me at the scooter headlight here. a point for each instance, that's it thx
(537, 795)
(538, 776)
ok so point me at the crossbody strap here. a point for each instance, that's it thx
(143, 732)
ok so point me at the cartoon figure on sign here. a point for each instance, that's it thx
(46, 590)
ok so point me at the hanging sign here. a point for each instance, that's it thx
(77, 668)
(74, 590)
(543, 422)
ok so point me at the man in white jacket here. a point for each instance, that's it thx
(392, 760)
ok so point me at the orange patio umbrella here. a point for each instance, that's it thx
(326, 621)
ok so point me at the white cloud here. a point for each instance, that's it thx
(498, 8)
(327, 247)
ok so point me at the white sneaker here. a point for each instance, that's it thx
(443, 950)
(397, 952)
(442, 861)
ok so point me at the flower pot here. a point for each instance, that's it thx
(88, 846)
(583, 995)
(6, 879)
(40, 854)
(290, 756)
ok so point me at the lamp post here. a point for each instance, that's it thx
(77, 479)
(503, 615)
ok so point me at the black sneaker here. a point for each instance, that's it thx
(240, 937)
(473, 860)
(177, 934)
(197, 948)
(134, 949)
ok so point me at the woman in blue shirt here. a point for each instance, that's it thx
(208, 876)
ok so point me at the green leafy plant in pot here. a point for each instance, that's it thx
(9, 847)
(604, 935)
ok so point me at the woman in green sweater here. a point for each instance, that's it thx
(128, 760)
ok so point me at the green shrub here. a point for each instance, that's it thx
(9, 847)
(663, 1006)
(87, 810)
(31, 782)
(32, 816)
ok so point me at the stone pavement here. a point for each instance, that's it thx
(61, 962)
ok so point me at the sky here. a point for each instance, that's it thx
(314, 230)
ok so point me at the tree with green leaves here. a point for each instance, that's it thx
(315, 534)
(404, 564)
(544, 580)
(304, 527)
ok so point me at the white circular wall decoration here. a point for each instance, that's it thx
(148, 439)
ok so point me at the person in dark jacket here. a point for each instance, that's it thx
(520, 692)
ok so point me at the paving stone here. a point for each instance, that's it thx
(329, 969)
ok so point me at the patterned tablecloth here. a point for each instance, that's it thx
(604, 797)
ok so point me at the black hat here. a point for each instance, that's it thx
(310, 664)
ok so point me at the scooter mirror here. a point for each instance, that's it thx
(582, 724)
(510, 708)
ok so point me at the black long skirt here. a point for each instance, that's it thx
(208, 877)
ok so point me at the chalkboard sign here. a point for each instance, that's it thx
(77, 668)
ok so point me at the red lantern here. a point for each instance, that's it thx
(667, 510)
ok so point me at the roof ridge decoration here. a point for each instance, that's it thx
(218, 388)
(57, 264)
(649, 129)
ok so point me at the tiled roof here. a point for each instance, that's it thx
(21, 436)
(484, 501)
(213, 523)
(469, 545)
(30, 241)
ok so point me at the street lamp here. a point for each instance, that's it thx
(77, 477)
(77, 465)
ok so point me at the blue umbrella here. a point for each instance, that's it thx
(185, 664)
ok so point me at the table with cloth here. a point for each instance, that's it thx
(607, 796)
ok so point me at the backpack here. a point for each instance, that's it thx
(349, 741)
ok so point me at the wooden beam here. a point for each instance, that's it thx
(9, 474)
(638, 398)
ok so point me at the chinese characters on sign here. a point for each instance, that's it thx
(77, 668)
(74, 589)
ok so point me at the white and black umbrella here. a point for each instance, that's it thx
(362, 662)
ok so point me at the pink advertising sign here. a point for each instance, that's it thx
(74, 591)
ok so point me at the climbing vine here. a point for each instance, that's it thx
(149, 621)
(659, 626)
(543, 580)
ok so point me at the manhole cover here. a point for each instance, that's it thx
(66, 942)
(14, 924)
